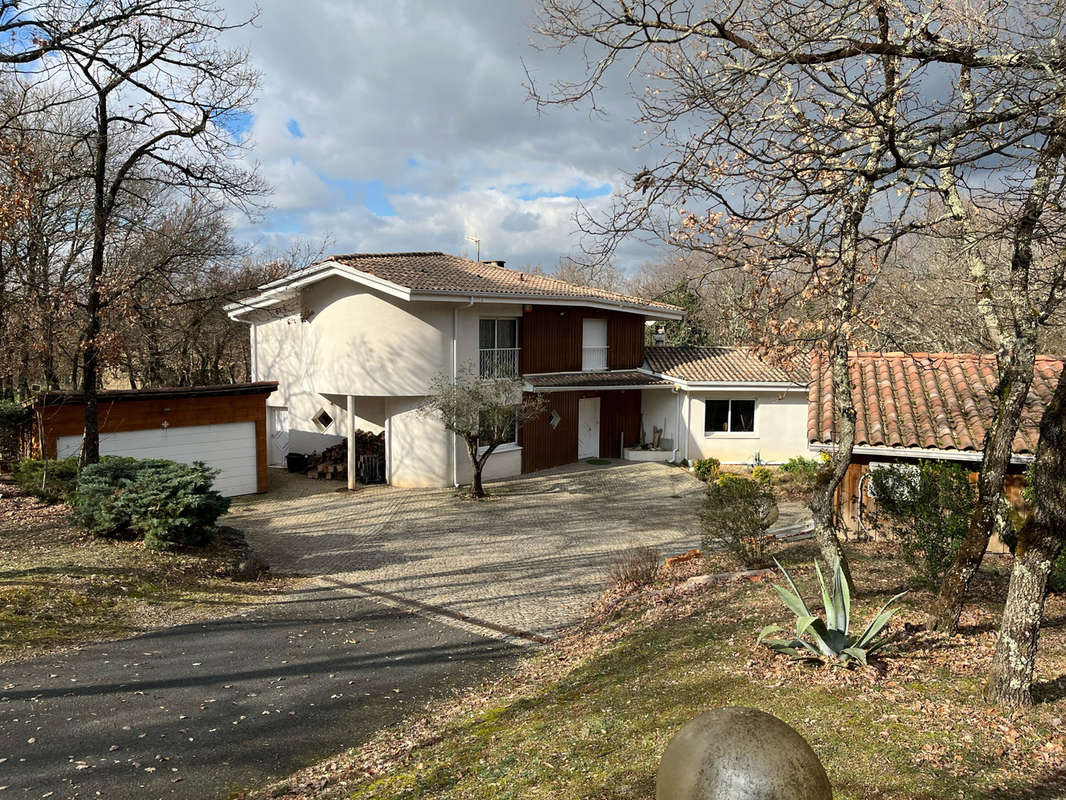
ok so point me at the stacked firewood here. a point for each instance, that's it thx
(332, 463)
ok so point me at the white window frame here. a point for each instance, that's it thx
(495, 333)
(731, 434)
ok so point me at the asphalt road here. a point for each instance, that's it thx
(200, 710)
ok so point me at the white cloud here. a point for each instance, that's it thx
(419, 106)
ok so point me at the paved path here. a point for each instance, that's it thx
(530, 559)
(199, 710)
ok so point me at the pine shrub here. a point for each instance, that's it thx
(47, 479)
(166, 503)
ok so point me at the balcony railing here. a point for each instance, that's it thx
(593, 359)
(499, 362)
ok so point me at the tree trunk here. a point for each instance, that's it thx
(998, 446)
(90, 448)
(477, 490)
(823, 503)
(1039, 543)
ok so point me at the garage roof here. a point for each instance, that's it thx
(67, 397)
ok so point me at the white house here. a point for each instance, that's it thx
(354, 342)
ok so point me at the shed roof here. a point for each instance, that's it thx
(936, 401)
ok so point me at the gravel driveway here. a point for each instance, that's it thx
(525, 562)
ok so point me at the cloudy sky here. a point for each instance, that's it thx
(404, 125)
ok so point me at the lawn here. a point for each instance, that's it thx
(589, 716)
(60, 586)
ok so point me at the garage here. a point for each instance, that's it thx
(222, 426)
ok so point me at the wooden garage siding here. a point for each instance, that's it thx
(117, 416)
(550, 338)
(544, 447)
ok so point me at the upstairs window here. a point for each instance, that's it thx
(593, 344)
(498, 344)
(729, 416)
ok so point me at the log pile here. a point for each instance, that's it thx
(332, 463)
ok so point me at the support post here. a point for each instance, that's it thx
(352, 472)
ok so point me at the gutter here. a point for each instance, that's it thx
(919, 452)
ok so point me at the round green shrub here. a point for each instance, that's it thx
(762, 475)
(166, 503)
(737, 513)
(707, 469)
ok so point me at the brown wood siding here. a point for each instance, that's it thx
(544, 447)
(550, 338)
(138, 414)
(625, 341)
(619, 416)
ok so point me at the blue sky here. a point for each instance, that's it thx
(406, 126)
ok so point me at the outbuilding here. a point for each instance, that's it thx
(222, 426)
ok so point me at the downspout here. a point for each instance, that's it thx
(688, 422)
(455, 378)
(677, 426)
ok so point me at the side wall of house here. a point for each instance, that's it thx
(780, 427)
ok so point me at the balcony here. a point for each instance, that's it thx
(593, 359)
(498, 362)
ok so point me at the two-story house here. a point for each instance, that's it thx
(354, 342)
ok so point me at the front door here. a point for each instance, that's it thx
(588, 427)
(278, 435)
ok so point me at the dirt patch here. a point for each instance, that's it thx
(60, 586)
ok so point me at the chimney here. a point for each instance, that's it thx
(660, 336)
(494, 263)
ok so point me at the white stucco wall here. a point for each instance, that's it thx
(417, 452)
(658, 409)
(780, 428)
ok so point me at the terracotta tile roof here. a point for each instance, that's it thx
(593, 379)
(717, 365)
(440, 272)
(925, 400)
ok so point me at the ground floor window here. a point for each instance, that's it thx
(729, 416)
(511, 434)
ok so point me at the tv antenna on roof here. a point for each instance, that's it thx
(476, 241)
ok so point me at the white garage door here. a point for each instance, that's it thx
(229, 448)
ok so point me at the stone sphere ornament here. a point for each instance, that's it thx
(740, 754)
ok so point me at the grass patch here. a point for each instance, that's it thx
(590, 716)
(59, 586)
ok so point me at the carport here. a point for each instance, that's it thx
(222, 426)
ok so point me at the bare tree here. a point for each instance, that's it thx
(483, 412)
(162, 94)
(764, 111)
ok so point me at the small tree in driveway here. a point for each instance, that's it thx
(484, 412)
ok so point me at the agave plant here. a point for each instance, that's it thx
(828, 639)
